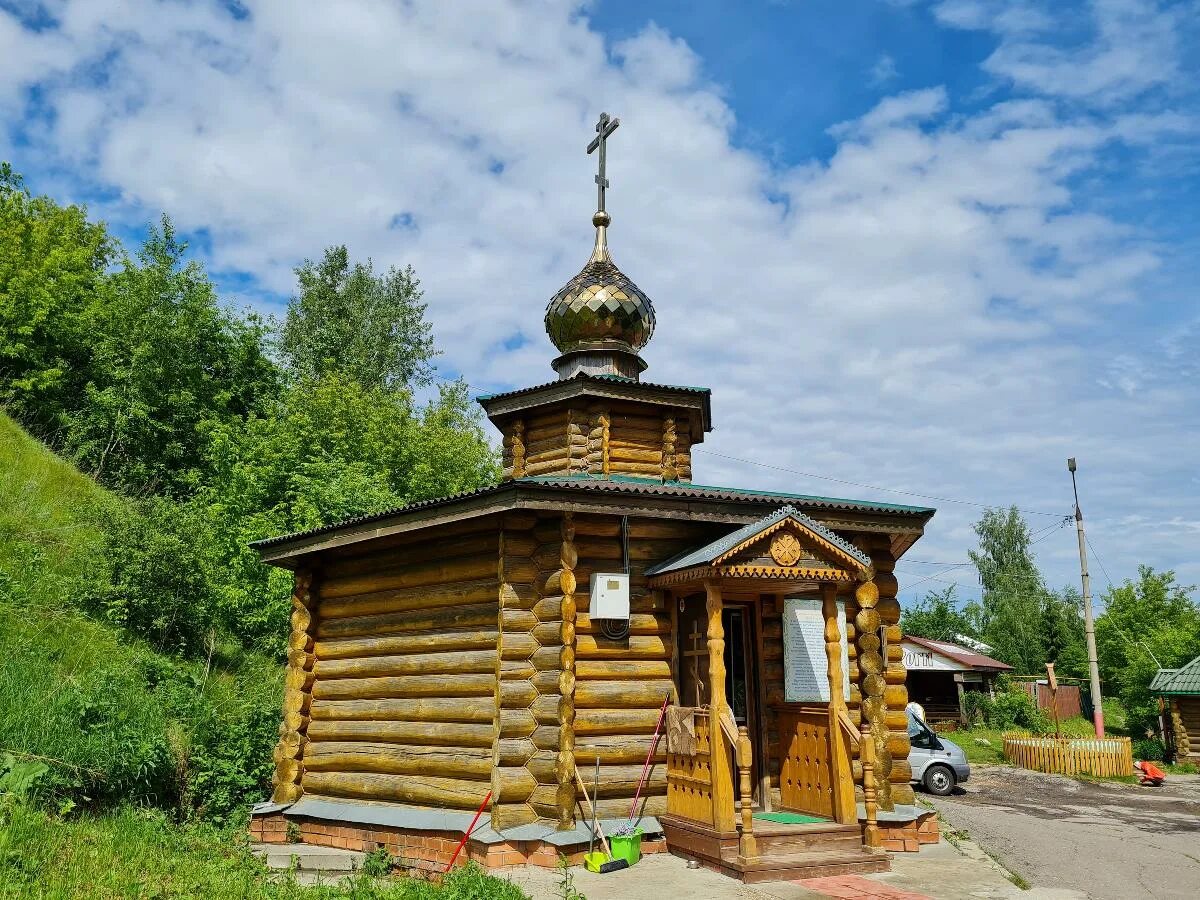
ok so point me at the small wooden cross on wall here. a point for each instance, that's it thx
(604, 128)
(694, 655)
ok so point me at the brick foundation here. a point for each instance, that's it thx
(423, 851)
(907, 837)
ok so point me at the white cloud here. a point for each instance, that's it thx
(883, 71)
(1130, 46)
(928, 309)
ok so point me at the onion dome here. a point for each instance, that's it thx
(600, 318)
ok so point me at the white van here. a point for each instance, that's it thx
(938, 764)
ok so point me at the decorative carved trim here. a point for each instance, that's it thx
(772, 573)
(518, 448)
(841, 556)
(670, 471)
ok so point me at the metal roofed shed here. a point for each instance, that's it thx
(1180, 690)
(940, 673)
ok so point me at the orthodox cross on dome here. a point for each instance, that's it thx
(604, 128)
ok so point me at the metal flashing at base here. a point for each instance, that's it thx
(419, 818)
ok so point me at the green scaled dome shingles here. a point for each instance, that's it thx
(600, 306)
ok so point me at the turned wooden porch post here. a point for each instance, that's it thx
(720, 759)
(844, 810)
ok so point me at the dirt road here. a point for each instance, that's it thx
(1115, 841)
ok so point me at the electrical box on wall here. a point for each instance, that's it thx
(610, 596)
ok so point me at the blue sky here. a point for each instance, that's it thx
(933, 247)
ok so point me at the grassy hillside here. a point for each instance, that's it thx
(151, 760)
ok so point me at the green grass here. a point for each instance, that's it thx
(138, 853)
(49, 536)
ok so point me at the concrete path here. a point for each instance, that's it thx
(939, 871)
(1112, 841)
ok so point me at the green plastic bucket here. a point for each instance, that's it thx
(627, 846)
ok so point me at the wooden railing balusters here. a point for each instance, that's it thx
(748, 846)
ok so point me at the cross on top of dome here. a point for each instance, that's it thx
(600, 319)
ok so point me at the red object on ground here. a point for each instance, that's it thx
(470, 830)
(1151, 774)
(649, 756)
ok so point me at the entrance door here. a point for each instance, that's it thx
(806, 765)
(740, 668)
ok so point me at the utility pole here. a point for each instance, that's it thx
(1088, 625)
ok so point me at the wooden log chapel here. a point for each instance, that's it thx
(450, 648)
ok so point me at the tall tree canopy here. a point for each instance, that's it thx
(1013, 590)
(51, 268)
(1146, 624)
(937, 616)
(167, 364)
(348, 320)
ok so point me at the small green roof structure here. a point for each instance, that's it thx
(1182, 681)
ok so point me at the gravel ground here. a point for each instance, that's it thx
(1114, 841)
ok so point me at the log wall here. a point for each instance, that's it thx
(600, 439)
(620, 683)
(405, 668)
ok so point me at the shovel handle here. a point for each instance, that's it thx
(595, 821)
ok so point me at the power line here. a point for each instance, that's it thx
(872, 487)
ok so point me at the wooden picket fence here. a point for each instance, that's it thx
(1069, 756)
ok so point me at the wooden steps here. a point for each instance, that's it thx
(786, 852)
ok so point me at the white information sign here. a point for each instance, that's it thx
(805, 666)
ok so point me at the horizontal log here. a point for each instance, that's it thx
(480, 543)
(613, 721)
(434, 663)
(516, 723)
(478, 685)
(642, 624)
(463, 568)
(546, 659)
(618, 808)
(590, 646)
(592, 669)
(428, 642)
(521, 620)
(635, 468)
(425, 709)
(512, 784)
(411, 599)
(514, 751)
(621, 694)
(398, 759)
(399, 542)
(546, 682)
(518, 646)
(437, 734)
(548, 609)
(616, 750)
(452, 793)
(546, 737)
(551, 467)
(555, 453)
(517, 670)
(517, 694)
(546, 709)
(637, 454)
(403, 622)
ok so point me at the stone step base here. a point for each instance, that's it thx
(308, 858)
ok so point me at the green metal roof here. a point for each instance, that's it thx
(1185, 680)
(705, 491)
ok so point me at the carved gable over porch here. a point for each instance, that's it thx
(784, 546)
